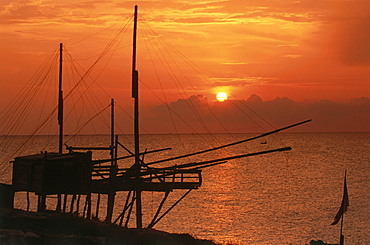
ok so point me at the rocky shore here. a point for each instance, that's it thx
(22, 227)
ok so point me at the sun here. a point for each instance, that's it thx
(221, 96)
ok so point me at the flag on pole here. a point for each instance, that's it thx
(344, 205)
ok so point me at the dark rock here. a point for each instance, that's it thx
(21, 227)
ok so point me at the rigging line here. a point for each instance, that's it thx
(125, 112)
(178, 84)
(174, 112)
(191, 105)
(43, 123)
(96, 33)
(90, 99)
(201, 98)
(166, 65)
(81, 97)
(72, 78)
(259, 116)
(23, 100)
(94, 80)
(92, 118)
(160, 83)
(80, 77)
(29, 137)
(54, 78)
(116, 43)
(234, 143)
(105, 51)
(197, 69)
(33, 95)
(97, 55)
(25, 89)
(50, 141)
(175, 63)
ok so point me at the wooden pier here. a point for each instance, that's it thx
(75, 174)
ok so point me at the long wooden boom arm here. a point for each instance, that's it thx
(220, 160)
(231, 144)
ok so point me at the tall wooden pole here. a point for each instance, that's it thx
(112, 172)
(135, 95)
(60, 114)
(60, 99)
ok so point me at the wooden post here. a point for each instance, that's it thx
(135, 95)
(65, 203)
(42, 197)
(7, 196)
(130, 209)
(85, 208)
(60, 113)
(125, 207)
(158, 210)
(112, 172)
(41, 207)
(59, 202)
(28, 201)
(60, 99)
(78, 203)
(72, 203)
(88, 199)
(97, 207)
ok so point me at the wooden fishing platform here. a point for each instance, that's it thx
(53, 173)
(74, 173)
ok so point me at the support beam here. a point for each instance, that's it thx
(168, 210)
(159, 209)
(135, 95)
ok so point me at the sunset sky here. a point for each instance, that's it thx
(307, 51)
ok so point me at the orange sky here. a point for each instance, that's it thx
(305, 50)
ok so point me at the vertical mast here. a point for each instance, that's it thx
(112, 127)
(112, 171)
(60, 99)
(135, 95)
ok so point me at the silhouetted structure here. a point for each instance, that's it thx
(76, 173)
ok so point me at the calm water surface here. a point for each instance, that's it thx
(280, 198)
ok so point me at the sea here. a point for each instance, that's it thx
(288, 197)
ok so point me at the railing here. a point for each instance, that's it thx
(156, 175)
(178, 176)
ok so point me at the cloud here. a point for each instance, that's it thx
(196, 114)
(300, 49)
(356, 48)
(62, 13)
(344, 27)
